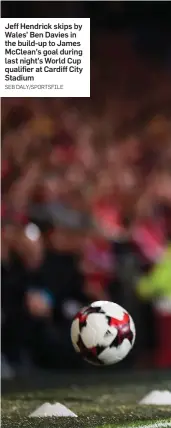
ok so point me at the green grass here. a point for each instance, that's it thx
(109, 402)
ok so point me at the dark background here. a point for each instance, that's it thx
(148, 24)
(149, 21)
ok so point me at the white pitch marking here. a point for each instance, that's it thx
(155, 425)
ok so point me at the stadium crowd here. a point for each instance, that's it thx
(86, 209)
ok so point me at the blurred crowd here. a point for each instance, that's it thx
(86, 206)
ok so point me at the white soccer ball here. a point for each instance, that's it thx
(103, 333)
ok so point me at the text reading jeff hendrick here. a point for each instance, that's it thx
(48, 26)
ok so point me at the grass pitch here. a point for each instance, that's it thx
(100, 401)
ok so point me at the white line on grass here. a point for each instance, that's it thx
(155, 425)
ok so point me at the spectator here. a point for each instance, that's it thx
(83, 183)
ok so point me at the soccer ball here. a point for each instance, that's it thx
(103, 333)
